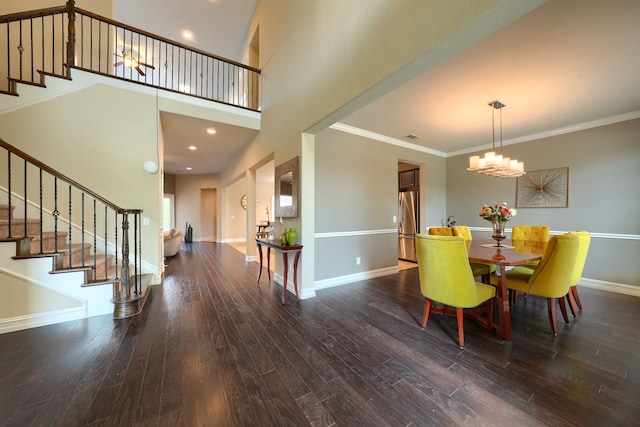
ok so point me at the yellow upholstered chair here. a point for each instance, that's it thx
(446, 278)
(440, 231)
(478, 268)
(583, 248)
(524, 236)
(535, 233)
(551, 278)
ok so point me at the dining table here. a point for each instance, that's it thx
(509, 253)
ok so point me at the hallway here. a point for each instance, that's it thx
(213, 348)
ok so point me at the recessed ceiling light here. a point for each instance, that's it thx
(193, 148)
(211, 131)
(187, 35)
(189, 168)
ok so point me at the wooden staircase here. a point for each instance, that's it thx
(97, 269)
(101, 269)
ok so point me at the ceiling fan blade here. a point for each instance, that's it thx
(147, 65)
(117, 64)
(139, 70)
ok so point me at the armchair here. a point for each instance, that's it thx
(172, 241)
(446, 278)
(440, 231)
(551, 278)
(478, 268)
(584, 240)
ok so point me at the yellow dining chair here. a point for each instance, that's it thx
(440, 231)
(478, 268)
(535, 233)
(551, 278)
(526, 235)
(446, 278)
(584, 242)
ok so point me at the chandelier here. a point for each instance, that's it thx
(496, 164)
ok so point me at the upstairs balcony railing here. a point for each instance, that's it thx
(54, 40)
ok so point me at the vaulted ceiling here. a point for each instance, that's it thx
(566, 65)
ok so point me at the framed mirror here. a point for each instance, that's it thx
(286, 189)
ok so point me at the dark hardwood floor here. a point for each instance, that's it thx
(212, 348)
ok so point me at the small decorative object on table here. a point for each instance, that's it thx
(498, 215)
(283, 238)
(292, 236)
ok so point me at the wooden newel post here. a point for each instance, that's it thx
(71, 36)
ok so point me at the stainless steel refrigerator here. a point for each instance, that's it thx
(408, 224)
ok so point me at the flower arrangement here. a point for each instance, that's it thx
(497, 213)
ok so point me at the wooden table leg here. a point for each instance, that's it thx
(268, 263)
(504, 314)
(295, 273)
(260, 253)
(285, 260)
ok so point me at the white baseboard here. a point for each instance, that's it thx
(19, 323)
(619, 288)
(342, 280)
(234, 240)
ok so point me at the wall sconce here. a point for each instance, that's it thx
(150, 167)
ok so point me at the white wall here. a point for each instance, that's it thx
(188, 201)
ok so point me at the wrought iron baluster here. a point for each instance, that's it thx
(43, 38)
(81, 234)
(41, 212)
(95, 233)
(31, 44)
(9, 182)
(116, 241)
(25, 235)
(106, 233)
(56, 214)
(69, 223)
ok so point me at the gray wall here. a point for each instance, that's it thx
(604, 189)
(356, 197)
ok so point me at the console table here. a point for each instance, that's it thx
(297, 249)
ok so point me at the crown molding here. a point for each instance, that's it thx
(540, 135)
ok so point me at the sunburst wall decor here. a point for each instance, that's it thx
(546, 188)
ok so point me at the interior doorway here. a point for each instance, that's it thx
(410, 211)
(208, 216)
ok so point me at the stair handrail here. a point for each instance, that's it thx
(38, 13)
(65, 178)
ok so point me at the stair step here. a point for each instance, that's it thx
(48, 242)
(5, 211)
(17, 227)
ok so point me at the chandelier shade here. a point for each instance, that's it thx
(493, 164)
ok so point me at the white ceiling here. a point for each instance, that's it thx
(564, 65)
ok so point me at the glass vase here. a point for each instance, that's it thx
(292, 237)
(498, 232)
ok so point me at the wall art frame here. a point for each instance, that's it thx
(545, 188)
